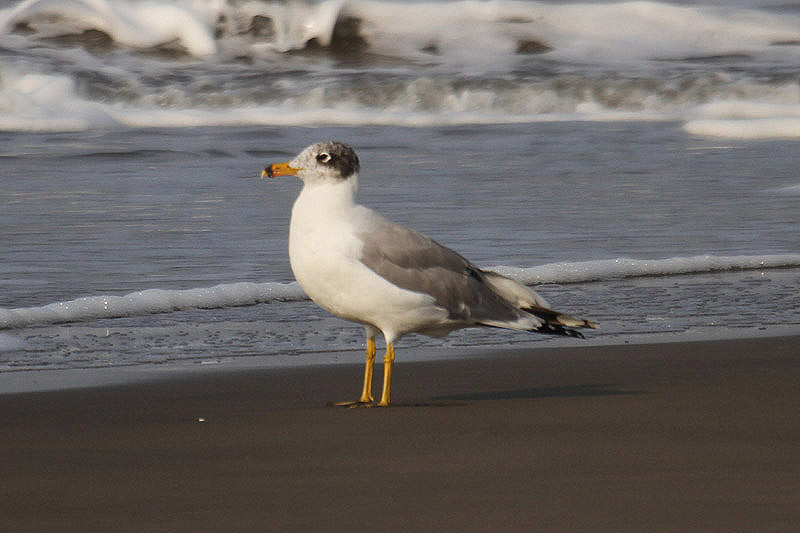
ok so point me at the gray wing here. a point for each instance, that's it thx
(418, 263)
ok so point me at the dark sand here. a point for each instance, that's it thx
(662, 437)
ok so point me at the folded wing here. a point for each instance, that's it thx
(470, 295)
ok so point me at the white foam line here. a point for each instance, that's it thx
(153, 301)
(150, 301)
(760, 128)
(623, 267)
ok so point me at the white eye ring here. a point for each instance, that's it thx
(324, 157)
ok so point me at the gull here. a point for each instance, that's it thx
(392, 280)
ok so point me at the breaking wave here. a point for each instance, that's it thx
(709, 105)
(417, 30)
(68, 65)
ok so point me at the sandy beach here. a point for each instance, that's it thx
(700, 436)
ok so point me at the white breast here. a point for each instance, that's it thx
(324, 251)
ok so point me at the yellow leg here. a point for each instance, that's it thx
(366, 393)
(366, 399)
(388, 361)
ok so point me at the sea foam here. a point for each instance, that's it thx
(464, 30)
(762, 128)
(153, 301)
(630, 268)
(187, 63)
(150, 301)
(134, 24)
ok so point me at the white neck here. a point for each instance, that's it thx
(328, 194)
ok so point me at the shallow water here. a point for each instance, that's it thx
(91, 217)
(645, 173)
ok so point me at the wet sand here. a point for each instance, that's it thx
(700, 436)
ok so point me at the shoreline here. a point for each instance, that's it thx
(674, 436)
(27, 380)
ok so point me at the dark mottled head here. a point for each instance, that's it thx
(320, 162)
(335, 155)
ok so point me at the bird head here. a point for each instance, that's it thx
(321, 162)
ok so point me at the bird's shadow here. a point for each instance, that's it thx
(534, 393)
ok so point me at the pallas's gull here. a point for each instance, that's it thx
(359, 266)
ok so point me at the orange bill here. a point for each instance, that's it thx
(279, 169)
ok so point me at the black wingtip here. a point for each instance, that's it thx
(555, 329)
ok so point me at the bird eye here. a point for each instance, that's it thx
(324, 157)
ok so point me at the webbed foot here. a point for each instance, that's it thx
(353, 405)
